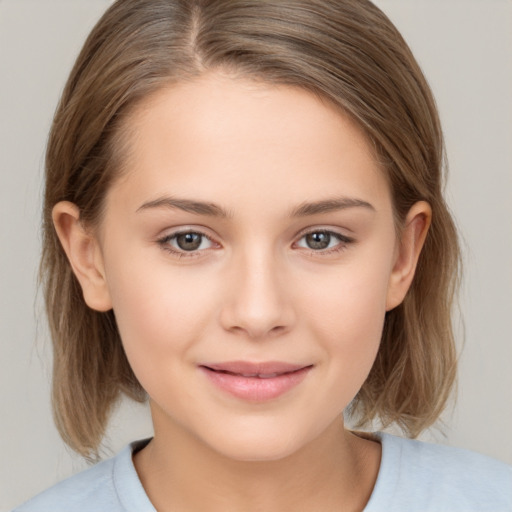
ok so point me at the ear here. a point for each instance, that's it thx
(84, 255)
(408, 252)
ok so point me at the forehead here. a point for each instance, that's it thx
(235, 137)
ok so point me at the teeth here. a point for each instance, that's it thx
(260, 375)
(251, 375)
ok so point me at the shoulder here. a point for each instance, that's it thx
(93, 486)
(105, 486)
(424, 476)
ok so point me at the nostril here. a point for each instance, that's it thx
(257, 310)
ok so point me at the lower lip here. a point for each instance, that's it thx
(256, 389)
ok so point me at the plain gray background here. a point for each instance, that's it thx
(464, 47)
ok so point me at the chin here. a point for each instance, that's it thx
(260, 444)
(259, 450)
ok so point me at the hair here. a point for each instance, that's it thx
(345, 51)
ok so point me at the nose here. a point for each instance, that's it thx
(257, 297)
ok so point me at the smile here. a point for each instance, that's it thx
(256, 382)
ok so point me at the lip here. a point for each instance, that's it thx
(255, 382)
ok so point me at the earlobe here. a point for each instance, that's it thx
(414, 233)
(84, 255)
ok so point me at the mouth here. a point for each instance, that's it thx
(256, 382)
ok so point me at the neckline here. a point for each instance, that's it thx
(132, 495)
(388, 476)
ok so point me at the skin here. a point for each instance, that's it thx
(255, 290)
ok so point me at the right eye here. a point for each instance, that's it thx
(186, 242)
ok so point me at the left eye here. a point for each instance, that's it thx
(321, 240)
(188, 242)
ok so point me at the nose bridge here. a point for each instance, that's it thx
(257, 301)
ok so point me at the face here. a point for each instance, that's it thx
(248, 252)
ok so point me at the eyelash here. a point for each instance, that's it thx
(343, 240)
(164, 243)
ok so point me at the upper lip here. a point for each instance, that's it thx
(255, 368)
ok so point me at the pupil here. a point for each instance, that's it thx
(189, 241)
(318, 240)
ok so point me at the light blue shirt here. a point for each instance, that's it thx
(413, 477)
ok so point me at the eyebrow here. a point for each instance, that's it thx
(330, 205)
(211, 209)
(187, 205)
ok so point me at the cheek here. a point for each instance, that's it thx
(347, 315)
(351, 299)
(160, 313)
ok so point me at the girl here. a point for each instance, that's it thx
(244, 224)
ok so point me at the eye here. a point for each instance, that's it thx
(323, 240)
(186, 242)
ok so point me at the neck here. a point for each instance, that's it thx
(336, 471)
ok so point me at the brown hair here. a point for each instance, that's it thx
(346, 51)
